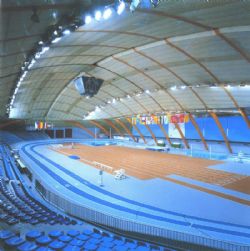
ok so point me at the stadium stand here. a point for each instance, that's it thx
(73, 240)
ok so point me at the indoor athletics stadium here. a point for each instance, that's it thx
(125, 125)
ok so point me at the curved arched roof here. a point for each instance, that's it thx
(182, 56)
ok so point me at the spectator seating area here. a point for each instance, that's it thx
(72, 240)
(30, 135)
(16, 204)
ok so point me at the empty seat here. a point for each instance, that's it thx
(43, 240)
(44, 249)
(27, 246)
(76, 242)
(55, 234)
(73, 233)
(6, 234)
(90, 246)
(94, 240)
(57, 245)
(96, 236)
(71, 248)
(14, 241)
(65, 238)
(32, 235)
(87, 232)
(107, 244)
(82, 237)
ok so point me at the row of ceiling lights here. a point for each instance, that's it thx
(53, 35)
(148, 92)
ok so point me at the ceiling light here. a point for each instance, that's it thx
(173, 88)
(107, 13)
(147, 91)
(56, 40)
(44, 50)
(128, 96)
(97, 109)
(88, 19)
(98, 15)
(66, 32)
(37, 55)
(121, 8)
(113, 101)
(24, 73)
(30, 65)
(54, 15)
(183, 87)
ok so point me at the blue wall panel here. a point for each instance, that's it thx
(80, 133)
(190, 131)
(238, 130)
(211, 130)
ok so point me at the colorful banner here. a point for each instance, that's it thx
(160, 119)
(40, 125)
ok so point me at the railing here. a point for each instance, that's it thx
(123, 224)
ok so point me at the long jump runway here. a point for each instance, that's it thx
(168, 203)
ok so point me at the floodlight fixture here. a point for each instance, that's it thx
(98, 15)
(107, 13)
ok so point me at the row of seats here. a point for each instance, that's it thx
(16, 205)
(73, 240)
(6, 163)
(31, 135)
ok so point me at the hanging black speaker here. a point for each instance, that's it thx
(88, 86)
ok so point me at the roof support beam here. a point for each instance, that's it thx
(198, 130)
(152, 134)
(134, 84)
(165, 133)
(97, 124)
(137, 129)
(10, 122)
(245, 117)
(214, 116)
(232, 44)
(125, 128)
(182, 135)
(174, 74)
(217, 81)
(152, 79)
(77, 124)
(113, 126)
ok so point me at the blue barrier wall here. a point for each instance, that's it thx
(234, 126)
(81, 134)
